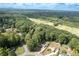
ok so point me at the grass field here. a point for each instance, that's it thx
(19, 50)
(72, 22)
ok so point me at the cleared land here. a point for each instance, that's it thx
(19, 50)
(72, 30)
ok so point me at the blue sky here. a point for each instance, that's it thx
(48, 6)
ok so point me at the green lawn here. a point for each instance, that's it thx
(19, 50)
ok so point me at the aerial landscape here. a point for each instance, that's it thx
(39, 29)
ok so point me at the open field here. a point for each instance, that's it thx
(61, 27)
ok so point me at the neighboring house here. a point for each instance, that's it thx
(52, 49)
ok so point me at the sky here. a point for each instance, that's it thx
(47, 6)
(39, 1)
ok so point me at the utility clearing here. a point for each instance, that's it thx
(72, 30)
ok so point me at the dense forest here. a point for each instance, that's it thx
(14, 23)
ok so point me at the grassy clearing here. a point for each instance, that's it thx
(72, 30)
(19, 50)
(72, 24)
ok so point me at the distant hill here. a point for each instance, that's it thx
(42, 6)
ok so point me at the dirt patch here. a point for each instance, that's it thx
(52, 46)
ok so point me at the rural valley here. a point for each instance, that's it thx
(35, 32)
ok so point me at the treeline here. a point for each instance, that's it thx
(42, 33)
(12, 33)
(9, 41)
(52, 13)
